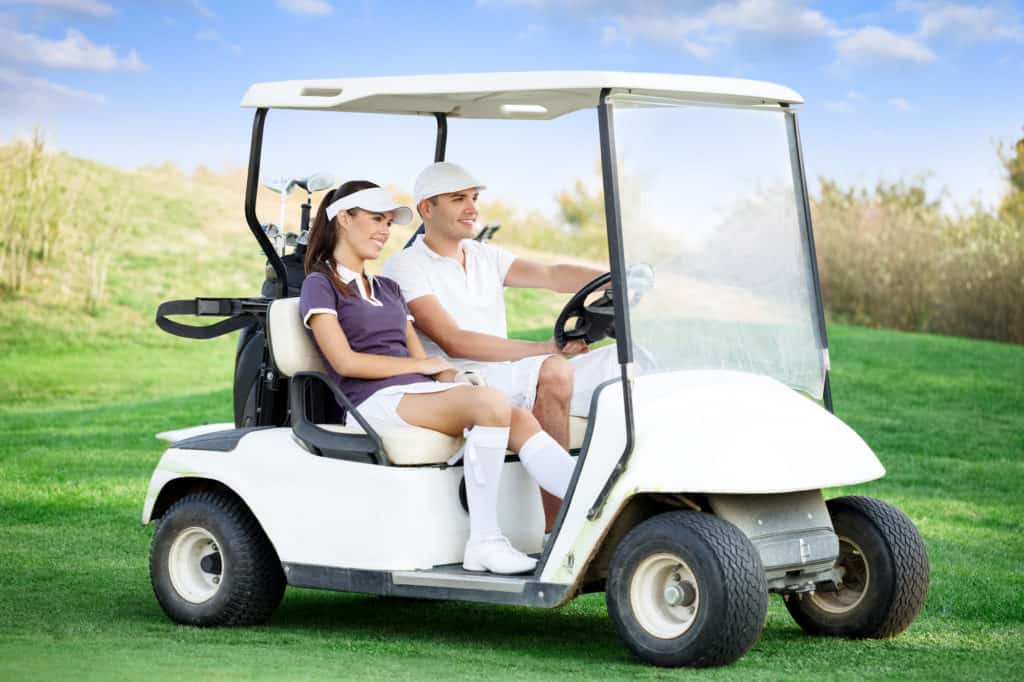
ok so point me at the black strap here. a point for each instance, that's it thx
(204, 306)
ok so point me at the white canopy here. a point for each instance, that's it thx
(526, 94)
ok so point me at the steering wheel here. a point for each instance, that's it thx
(593, 321)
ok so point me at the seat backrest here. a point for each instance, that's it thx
(291, 347)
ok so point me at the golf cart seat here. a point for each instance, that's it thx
(295, 355)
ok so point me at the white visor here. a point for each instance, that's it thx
(375, 200)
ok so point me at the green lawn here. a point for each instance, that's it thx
(77, 448)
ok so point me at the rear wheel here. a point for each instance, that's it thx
(212, 564)
(687, 589)
(884, 567)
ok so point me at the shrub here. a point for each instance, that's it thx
(892, 258)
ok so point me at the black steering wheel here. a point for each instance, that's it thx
(593, 321)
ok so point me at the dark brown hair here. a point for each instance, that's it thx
(323, 236)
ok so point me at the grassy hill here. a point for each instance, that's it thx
(159, 235)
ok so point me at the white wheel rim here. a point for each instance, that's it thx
(856, 580)
(184, 563)
(664, 595)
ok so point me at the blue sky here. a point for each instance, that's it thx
(893, 89)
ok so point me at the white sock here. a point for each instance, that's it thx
(484, 457)
(548, 463)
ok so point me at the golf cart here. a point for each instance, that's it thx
(698, 484)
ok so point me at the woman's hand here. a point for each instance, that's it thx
(447, 376)
(434, 365)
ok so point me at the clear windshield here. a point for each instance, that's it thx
(709, 200)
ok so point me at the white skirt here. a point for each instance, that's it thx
(381, 408)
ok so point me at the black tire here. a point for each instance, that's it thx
(729, 597)
(887, 572)
(242, 563)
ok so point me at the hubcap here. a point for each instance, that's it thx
(856, 580)
(664, 595)
(195, 565)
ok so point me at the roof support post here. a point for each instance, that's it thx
(803, 206)
(252, 183)
(617, 260)
(442, 136)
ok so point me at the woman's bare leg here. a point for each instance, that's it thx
(455, 409)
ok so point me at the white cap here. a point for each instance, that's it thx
(375, 200)
(442, 178)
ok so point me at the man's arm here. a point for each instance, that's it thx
(437, 323)
(563, 278)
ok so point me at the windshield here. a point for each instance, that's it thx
(709, 200)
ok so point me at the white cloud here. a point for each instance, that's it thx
(306, 8)
(210, 36)
(530, 32)
(609, 36)
(75, 51)
(201, 8)
(874, 44)
(782, 18)
(840, 106)
(91, 8)
(705, 32)
(24, 94)
(900, 103)
(968, 23)
(705, 29)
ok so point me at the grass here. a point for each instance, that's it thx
(943, 414)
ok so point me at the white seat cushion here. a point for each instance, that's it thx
(412, 446)
(290, 344)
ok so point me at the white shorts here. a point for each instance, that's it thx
(381, 408)
(518, 379)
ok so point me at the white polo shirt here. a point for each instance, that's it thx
(474, 296)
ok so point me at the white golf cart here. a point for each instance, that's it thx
(697, 488)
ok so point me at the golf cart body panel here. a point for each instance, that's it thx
(714, 433)
(328, 512)
(514, 95)
(730, 432)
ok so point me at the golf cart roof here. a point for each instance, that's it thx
(515, 95)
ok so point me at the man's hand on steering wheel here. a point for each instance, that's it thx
(575, 347)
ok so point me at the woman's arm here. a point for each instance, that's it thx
(415, 346)
(347, 362)
(413, 343)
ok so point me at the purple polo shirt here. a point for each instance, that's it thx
(373, 326)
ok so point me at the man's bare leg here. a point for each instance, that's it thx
(551, 408)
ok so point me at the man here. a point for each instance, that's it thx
(454, 287)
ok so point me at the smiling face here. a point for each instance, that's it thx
(451, 215)
(364, 233)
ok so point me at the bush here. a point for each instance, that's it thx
(892, 258)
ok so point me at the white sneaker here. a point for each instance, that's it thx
(496, 555)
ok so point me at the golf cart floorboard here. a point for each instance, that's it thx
(440, 582)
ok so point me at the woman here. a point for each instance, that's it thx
(364, 332)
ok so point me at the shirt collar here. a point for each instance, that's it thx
(422, 244)
(347, 276)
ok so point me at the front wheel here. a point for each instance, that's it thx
(884, 571)
(687, 589)
(211, 563)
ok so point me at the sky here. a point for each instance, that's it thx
(893, 90)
